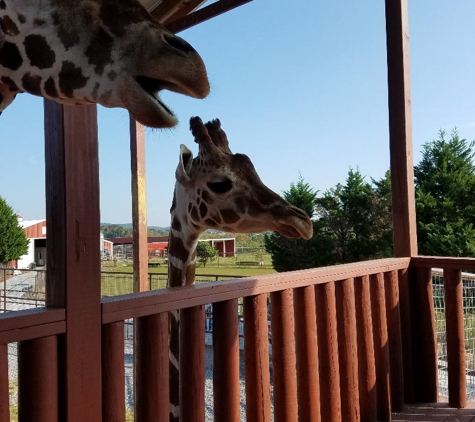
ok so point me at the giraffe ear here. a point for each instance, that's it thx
(183, 170)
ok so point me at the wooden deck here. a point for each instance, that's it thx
(436, 412)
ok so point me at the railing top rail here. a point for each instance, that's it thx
(119, 308)
(443, 262)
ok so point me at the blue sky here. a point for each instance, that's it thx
(299, 86)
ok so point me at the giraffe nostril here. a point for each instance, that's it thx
(178, 43)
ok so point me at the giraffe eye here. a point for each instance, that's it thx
(221, 187)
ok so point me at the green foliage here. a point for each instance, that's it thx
(13, 242)
(302, 196)
(445, 188)
(116, 230)
(205, 252)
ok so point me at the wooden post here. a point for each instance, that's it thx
(347, 346)
(74, 275)
(455, 338)
(4, 387)
(308, 385)
(283, 357)
(328, 352)
(139, 205)
(226, 385)
(400, 129)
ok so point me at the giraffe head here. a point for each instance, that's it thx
(222, 190)
(95, 51)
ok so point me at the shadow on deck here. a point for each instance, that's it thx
(435, 412)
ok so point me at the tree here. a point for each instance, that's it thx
(116, 230)
(445, 188)
(205, 252)
(13, 242)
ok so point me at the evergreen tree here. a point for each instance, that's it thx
(445, 188)
(13, 242)
(205, 252)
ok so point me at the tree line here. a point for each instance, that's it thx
(352, 221)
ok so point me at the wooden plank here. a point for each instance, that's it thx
(366, 364)
(113, 373)
(455, 338)
(152, 398)
(139, 206)
(4, 387)
(348, 350)
(400, 129)
(330, 400)
(73, 279)
(34, 332)
(119, 308)
(226, 385)
(391, 289)
(256, 355)
(408, 337)
(283, 357)
(381, 347)
(425, 357)
(192, 364)
(448, 262)
(215, 9)
(308, 385)
(38, 380)
(170, 11)
(30, 318)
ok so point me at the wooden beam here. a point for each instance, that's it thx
(171, 10)
(204, 14)
(73, 279)
(400, 129)
(139, 206)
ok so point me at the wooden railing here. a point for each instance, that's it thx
(348, 343)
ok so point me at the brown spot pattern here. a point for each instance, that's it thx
(3, 6)
(99, 51)
(207, 198)
(66, 34)
(178, 248)
(176, 225)
(194, 214)
(118, 18)
(50, 88)
(210, 223)
(112, 75)
(21, 18)
(203, 210)
(9, 82)
(39, 22)
(39, 52)
(31, 83)
(8, 26)
(230, 216)
(190, 274)
(71, 78)
(10, 56)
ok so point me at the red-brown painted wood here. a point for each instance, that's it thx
(425, 357)
(139, 205)
(348, 350)
(283, 356)
(400, 129)
(256, 352)
(328, 352)
(366, 364)
(308, 382)
(152, 398)
(381, 347)
(38, 380)
(391, 289)
(407, 337)
(455, 338)
(226, 386)
(113, 373)
(192, 364)
(4, 387)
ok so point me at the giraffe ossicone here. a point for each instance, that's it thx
(109, 52)
(217, 190)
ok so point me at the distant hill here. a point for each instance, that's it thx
(129, 226)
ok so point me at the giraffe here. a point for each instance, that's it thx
(96, 51)
(218, 190)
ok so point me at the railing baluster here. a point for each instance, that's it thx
(226, 386)
(38, 380)
(113, 373)
(347, 346)
(328, 352)
(425, 357)
(308, 385)
(192, 364)
(455, 337)
(395, 343)
(4, 387)
(256, 346)
(152, 399)
(366, 366)
(283, 357)
(381, 346)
